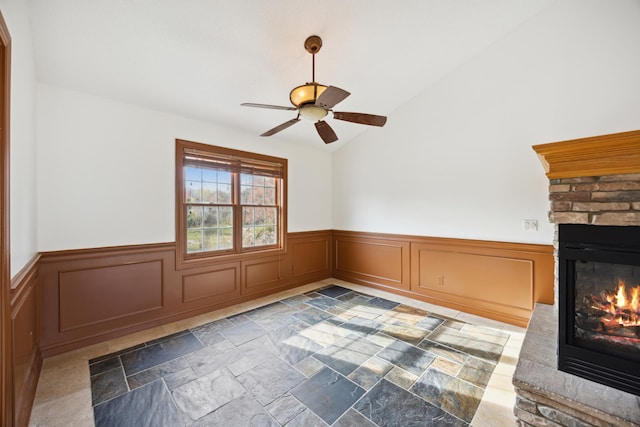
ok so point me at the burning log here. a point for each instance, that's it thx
(611, 312)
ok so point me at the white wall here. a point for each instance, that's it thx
(457, 160)
(106, 172)
(22, 142)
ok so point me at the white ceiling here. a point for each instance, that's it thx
(203, 58)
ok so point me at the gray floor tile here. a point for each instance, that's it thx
(209, 359)
(267, 310)
(312, 315)
(476, 371)
(383, 303)
(209, 332)
(443, 351)
(206, 394)
(306, 419)
(363, 327)
(451, 394)
(323, 302)
(107, 385)
(348, 354)
(179, 378)
(157, 372)
(401, 378)
(389, 405)
(290, 345)
(407, 357)
(470, 342)
(104, 365)
(309, 366)
(407, 333)
(328, 394)
(283, 364)
(253, 353)
(244, 332)
(158, 353)
(296, 300)
(242, 411)
(353, 418)
(150, 405)
(370, 372)
(334, 291)
(270, 380)
(430, 323)
(285, 408)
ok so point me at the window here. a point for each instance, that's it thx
(228, 201)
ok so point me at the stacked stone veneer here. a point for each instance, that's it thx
(546, 396)
(598, 200)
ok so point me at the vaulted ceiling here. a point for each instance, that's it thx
(203, 58)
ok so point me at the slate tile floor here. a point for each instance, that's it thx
(328, 357)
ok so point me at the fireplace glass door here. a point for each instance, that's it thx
(607, 308)
(599, 304)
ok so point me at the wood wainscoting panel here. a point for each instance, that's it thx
(261, 274)
(91, 295)
(213, 285)
(502, 281)
(25, 338)
(379, 261)
(95, 294)
(311, 256)
(478, 281)
(497, 280)
(99, 295)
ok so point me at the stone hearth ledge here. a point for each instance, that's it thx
(546, 394)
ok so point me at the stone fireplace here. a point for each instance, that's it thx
(580, 360)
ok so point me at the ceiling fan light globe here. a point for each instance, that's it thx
(312, 112)
(307, 93)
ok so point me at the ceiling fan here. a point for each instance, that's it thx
(313, 101)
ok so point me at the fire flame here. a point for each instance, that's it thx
(625, 309)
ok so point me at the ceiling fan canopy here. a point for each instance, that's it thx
(313, 101)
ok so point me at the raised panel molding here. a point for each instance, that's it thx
(261, 274)
(99, 295)
(91, 295)
(371, 260)
(311, 256)
(219, 284)
(495, 282)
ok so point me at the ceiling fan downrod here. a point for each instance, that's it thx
(312, 45)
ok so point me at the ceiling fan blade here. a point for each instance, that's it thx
(326, 133)
(331, 96)
(361, 118)
(283, 126)
(272, 107)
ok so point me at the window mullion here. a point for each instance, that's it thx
(237, 210)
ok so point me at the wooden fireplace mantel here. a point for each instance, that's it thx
(617, 153)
